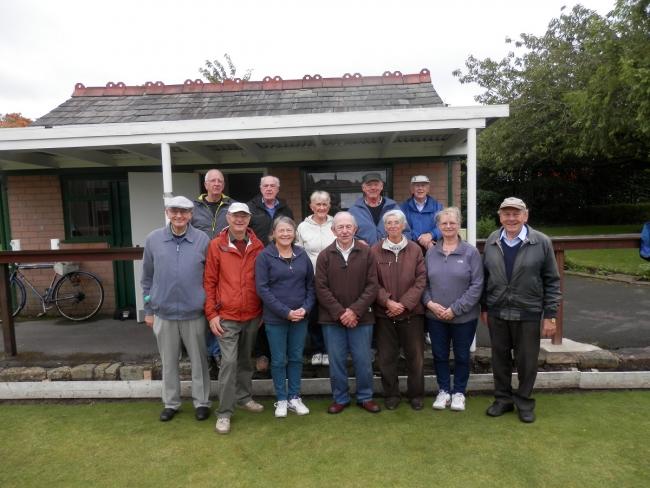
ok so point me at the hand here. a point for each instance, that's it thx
(349, 318)
(484, 318)
(447, 314)
(215, 326)
(393, 308)
(426, 240)
(148, 321)
(437, 309)
(549, 327)
(297, 315)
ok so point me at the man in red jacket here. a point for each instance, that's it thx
(233, 310)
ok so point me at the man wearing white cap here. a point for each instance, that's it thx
(172, 286)
(420, 210)
(522, 289)
(234, 310)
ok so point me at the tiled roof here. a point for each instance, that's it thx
(236, 98)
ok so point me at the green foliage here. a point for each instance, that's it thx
(14, 120)
(579, 125)
(215, 71)
(619, 213)
(485, 226)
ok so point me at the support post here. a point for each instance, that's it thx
(8, 329)
(471, 186)
(166, 158)
(556, 340)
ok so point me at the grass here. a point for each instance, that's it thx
(580, 439)
(603, 261)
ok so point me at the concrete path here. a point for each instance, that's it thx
(609, 314)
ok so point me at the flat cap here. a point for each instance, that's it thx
(179, 202)
(371, 177)
(420, 179)
(513, 202)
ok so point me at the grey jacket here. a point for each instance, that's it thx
(203, 217)
(534, 289)
(454, 281)
(172, 274)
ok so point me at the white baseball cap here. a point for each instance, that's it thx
(238, 207)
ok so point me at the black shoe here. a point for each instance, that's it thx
(526, 416)
(202, 413)
(167, 414)
(417, 403)
(497, 409)
(391, 403)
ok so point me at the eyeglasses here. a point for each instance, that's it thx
(181, 211)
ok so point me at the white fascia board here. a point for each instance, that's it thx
(299, 125)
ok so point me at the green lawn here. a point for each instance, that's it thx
(596, 439)
(626, 261)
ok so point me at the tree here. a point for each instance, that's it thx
(216, 72)
(579, 125)
(14, 120)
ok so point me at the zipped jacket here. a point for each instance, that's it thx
(533, 291)
(172, 274)
(423, 221)
(203, 218)
(261, 221)
(284, 286)
(402, 278)
(367, 230)
(230, 279)
(341, 285)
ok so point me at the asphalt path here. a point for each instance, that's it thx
(609, 314)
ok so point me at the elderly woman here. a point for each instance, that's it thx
(284, 277)
(399, 310)
(454, 287)
(315, 234)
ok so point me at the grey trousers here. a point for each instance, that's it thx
(236, 371)
(169, 334)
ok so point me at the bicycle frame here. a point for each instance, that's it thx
(45, 298)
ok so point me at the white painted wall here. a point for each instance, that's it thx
(148, 212)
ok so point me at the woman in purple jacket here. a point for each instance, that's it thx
(454, 287)
(284, 277)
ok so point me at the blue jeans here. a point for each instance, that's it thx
(443, 334)
(340, 341)
(213, 345)
(287, 342)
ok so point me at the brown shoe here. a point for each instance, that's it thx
(369, 406)
(337, 407)
(417, 403)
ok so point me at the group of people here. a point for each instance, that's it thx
(379, 272)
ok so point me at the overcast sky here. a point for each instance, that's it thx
(47, 46)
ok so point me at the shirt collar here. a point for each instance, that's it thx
(523, 233)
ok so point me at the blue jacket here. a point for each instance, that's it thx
(283, 286)
(172, 274)
(368, 231)
(425, 221)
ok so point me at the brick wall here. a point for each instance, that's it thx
(290, 188)
(36, 216)
(437, 173)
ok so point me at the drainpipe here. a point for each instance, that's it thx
(471, 186)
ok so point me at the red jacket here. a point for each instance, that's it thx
(229, 279)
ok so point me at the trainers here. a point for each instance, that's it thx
(317, 359)
(252, 406)
(458, 402)
(326, 360)
(223, 425)
(427, 339)
(297, 407)
(443, 400)
(281, 409)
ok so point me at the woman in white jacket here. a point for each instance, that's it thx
(314, 234)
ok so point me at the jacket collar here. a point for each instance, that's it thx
(189, 233)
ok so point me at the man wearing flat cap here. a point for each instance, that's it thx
(234, 310)
(369, 209)
(172, 286)
(521, 296)
(420, 210)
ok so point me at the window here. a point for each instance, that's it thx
(344, 186)
(87, 209)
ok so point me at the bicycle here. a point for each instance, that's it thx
(77, 295)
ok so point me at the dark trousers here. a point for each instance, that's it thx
(316, 340)
(408, 334)
(518, 338)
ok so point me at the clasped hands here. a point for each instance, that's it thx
(440, 312)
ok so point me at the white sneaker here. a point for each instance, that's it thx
(281, 409)
(443, 400)
(223, 425)
(297, 407)
(326, 360)
(317, 359)
(252, 406)
(427, 339)
(458, 402)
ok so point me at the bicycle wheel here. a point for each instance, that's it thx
(78, 295)
(18, 296)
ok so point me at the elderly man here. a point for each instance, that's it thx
(210, 208)
(369, 209)
(172, 286)
(233, 310)
(265, 208)
(420, 210)
(522, 288)
(346, 287)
